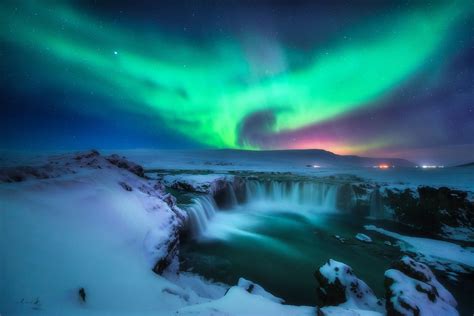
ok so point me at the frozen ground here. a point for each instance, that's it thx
(459, 178)
(223, 161)
(438, 253)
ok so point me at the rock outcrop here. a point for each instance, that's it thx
(339, 286)
(429, 208)
(162, 240)
(123, 163)
(198, 183)
(412, 289)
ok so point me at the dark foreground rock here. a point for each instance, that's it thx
(429, 208)
(338, 285)
(412, 289)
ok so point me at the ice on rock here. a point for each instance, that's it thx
(363, 237)
(338, 286)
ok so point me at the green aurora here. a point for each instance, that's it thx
(205, 91)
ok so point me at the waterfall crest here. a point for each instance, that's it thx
(310, 195)
(200, 212)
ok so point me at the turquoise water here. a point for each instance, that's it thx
(280, 250)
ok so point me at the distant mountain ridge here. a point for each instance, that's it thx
(310, 157)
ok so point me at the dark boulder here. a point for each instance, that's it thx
(123, 163)
(428, 209)
(338, 285)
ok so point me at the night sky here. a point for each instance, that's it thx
(373, 78)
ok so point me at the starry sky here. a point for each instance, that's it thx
(373, 78)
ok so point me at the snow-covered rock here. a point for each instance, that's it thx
(123, 163)
(363, 237)
(86, 223)
(412, 289)
(338, 286)
(238, 301)
(60, 165)
(201, 183)
(458, 233)
(433, 251)
(256, 289)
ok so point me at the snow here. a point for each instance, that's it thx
(432, 249)
(414, 293)
(224, 161)
(83, 230)
(363, 237)
(238, 301)
(458, 233)
(344, 311)
(424, 273)
(256, 289)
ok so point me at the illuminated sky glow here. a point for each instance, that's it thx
(251, 88)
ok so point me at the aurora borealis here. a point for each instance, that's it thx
(360, 78)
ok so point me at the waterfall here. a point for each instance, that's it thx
(200, 212)
(231, 194)
(311, 194)
(376, 205)
(331, 198)
(287, 194)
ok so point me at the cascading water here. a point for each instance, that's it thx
(376, 205)
(287, 194)
(231, 195)
(312, 194)
(201, 210)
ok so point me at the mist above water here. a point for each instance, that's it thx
(260, 199)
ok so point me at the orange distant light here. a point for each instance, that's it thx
(383, 166)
